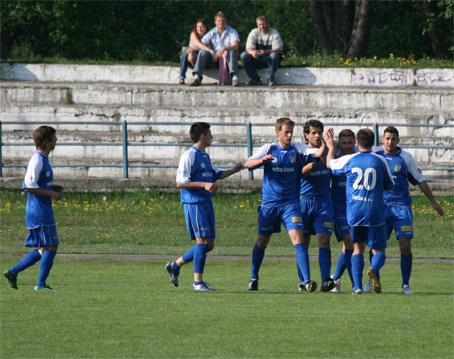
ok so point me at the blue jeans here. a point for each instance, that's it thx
(205, 59)
(184, 63)
(251, 63)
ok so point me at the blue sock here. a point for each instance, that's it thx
(340, 266)
(257, 258)
(188, 257)
(200, 255)
(348, 263)
(324, 261)
(302, 262)
(406, 262)
(378, 260)
(30, 259)
(47, 262)
(357, 270)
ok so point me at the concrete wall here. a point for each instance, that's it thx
(345, 77)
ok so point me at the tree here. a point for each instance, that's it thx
(342, 25)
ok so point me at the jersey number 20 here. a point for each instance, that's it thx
(366, 180)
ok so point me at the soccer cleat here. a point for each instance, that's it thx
(310, 285)
(368, 286)
(327, 285)
(203, 287)
(253, 285)
(375, 279)
(337, 286)
(174, 273)
(302, 287)
(12, 278)
(43, 288)
(358, 291)
(406, 289)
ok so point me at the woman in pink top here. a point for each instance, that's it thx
(190, 56)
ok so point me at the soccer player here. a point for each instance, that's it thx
(316, 204)
(282, 164)
(398, 215)
(345, 146)
(368, 175)
(39, 217)
(196, 177)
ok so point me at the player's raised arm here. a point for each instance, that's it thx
(330, 144)
(237, 168)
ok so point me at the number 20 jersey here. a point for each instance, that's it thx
(368, 175)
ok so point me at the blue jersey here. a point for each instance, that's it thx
(39, 174)
(281, 176)
(317, 183)
(338, 190)
(196, 166)
(404, 169)
(368, 175)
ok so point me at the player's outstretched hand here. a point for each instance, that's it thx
(238, 167)
(57, 188)
(268, 158)
(438, 209)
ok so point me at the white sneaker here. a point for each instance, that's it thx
(368, 286)
(357, 292)
(337, 286)
(406, 289)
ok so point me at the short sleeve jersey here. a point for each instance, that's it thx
(317, 183)
(404, 169)
(259, 41)
(196, 166)
(368, 175)
(39, 174)
(282, 175)
(217, 40)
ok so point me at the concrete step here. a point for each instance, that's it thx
(211, 96)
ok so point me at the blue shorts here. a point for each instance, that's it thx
(399, 219)
(341, 228)
(375, 237)
(270, 219)
(200, 219)
(318, 215)
(42, 237)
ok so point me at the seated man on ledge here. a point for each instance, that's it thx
(223, 39)
(263, 50)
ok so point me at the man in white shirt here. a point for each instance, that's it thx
(263, 50)
(223, 39)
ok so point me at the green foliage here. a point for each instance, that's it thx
(126, 308)
(149, 31)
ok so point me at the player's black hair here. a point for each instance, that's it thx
(346, 133)
(391, 129)
(43, 134)
(198, 129)
(365, 137)
(312, 123)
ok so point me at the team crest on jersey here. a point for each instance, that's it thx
(202, 165)
(397, 168)
(292, 159)
(47, 174)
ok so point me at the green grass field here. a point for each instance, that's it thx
(119, 308)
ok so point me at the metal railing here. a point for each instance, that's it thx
(125, 144)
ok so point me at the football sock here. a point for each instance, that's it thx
(47, 261)
(302, 262)
(357, 270)
(406, 262)
(30, 259)
(257, 258)
(200, 255)
(189, 255)
(324, 262)
(340, 266)
(378, 260)
(348, 262)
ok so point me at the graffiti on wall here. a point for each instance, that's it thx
(393, 77)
